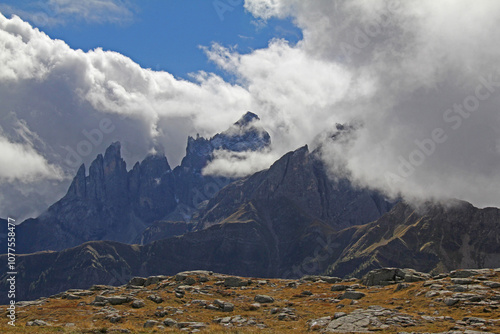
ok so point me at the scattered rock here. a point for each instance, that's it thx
(155, 298)
(467, 296)
(401, 286)
(264, 299)
(339, 315)
(491, 284)
(114, 318)
(150, 323)
(463, 273)
(450, 301)
(462, 281)
(223, 305)
(359, 321)
(137, 281)
(234, 282)
(189, 281)
(386, 276)
(71, 296)
(154, 279)
(254, 306)
(191, 325)
(169, 322)
(138, 303)
(286, 314)
(352, 295)
(462, 291)
(238, 321)
(37, 323)
(316, 278)
(113, 300)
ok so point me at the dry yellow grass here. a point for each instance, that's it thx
(410, 301)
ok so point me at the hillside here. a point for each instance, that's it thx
(200, 301)
(278, 242)
(431, 238)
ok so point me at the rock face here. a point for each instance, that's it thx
(241, 245)
(152, 202)
(162, 229)
(108, 204)
(435, 238)
(244, 135)
(111, 203)
(192, 186)
(297, 182)
(276, 223)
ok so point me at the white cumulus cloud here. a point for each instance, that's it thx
(20, 162)
(418, 78)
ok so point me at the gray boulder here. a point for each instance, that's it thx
(386, 276)
(352, 295)
(233, 282)
(224, 306)
(137, 281)
(138, 303)
(37, 323)
(450, 301)
(155, 298)
(264, 299)
(169, 322)
(154, 280)
(316, 278)
(463, 273)
(150, 323)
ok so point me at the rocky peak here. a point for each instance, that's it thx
(246, 119)
(198, 153)
(115, 176)
(299, 179)
(113, 152)
(151, 188)
(244, 135)
(95, 180)
(113, 162)
(155, 164)
(77, 187)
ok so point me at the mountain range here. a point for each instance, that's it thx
(291, 220)
(111, 203)
(431, 239)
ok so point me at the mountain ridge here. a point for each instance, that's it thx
(244, 245)
(111, 203)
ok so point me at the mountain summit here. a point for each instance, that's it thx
(244, 135)
(111, 203)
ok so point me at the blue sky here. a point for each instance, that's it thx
(159, 34)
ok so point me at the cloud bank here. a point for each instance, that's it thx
(431, 114)
(419, 78)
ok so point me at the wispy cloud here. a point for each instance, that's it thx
(20, 162)
(45, 13)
